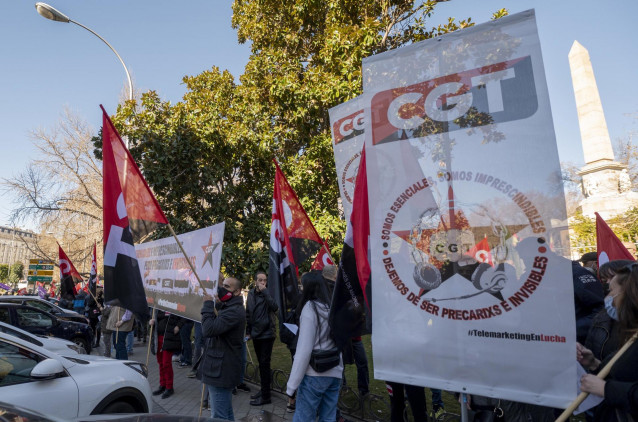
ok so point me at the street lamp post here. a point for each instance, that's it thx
(53, 14)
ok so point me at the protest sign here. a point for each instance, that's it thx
(467, 217)
(168, 281)
(346, 124)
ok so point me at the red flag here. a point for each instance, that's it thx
(360, 220)
(66, 267)
(608, 246)
(323, 258)
(130, 212)
(293, 240)
(301, 238)
(481, 252)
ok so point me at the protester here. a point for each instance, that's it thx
(199, 346)
(590, 262)
(224, 334)
(416, 398)
(120, 323)
(106, 333)
(168, 342)
(602, 338)
(260, 328)
(94, 312)
(588, 298)
(186, 359)
(620, 388)
(317, 386)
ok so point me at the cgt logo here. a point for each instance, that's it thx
(486, 95)
(348, 127)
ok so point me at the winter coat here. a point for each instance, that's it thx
(602, 338)
(116, 315)
(166, 324)
(106, 312)
(260, 315)
(223, 336)
(621, 389)
(588, 299)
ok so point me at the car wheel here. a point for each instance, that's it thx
(119, 406)
(81, 343)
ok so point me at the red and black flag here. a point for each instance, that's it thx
(293, 240)
(351, 301)
(130, 212)
(69, 276)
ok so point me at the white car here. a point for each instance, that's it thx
(73, 386)
(52, 344)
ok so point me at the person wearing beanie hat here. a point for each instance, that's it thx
(590, 261)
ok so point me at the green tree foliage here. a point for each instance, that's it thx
(208, 157)
(16, 272)
(4, 272)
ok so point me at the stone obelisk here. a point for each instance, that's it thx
(605, 182)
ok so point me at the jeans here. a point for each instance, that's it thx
(199, 341)
(221, 402)
(317, 397)
(242, 371)
(130, 339)
(187, 349)
(361, 360)
(119, 340)
(263, 350)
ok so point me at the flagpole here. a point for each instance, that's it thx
(187, 258)
(150, 338)
(602, 374)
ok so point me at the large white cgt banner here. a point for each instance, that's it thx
(347, 127)
(169, 282)
(467, 217)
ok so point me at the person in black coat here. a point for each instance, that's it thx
(260, 328)
(620, 388)
(588, 299)
(223, 322)
(168, 342)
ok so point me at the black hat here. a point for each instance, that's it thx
(589, 256)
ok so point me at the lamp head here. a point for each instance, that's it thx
(51, 13)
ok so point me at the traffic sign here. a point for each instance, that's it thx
(40, 262)
(46, 273)
(41, 267)
(39, 278)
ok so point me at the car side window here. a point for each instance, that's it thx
(39, 305)
(16, 364)
(4, 316)
(33, 318)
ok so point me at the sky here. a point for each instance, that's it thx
(49, 66)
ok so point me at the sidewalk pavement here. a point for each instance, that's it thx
(188, 392)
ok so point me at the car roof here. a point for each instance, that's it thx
(20, 305)
(12, 329)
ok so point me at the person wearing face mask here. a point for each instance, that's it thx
(223, 322)
(602, 338)
(620, 388)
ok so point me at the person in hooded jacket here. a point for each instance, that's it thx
(260, 328)
(223, 324)
(168, 342)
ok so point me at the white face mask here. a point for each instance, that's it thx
(610, 308)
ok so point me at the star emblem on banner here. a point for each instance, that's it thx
(208, 251)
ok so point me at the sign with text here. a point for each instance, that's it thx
(169, 282)
(347, 124)
(468, 225)
(40, 270)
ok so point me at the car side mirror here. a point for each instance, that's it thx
(56, 322)
(47, 369)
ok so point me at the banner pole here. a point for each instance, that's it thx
(464, 417)
(602, 374)
(201, 401)
(188, 260)
(150, 338)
